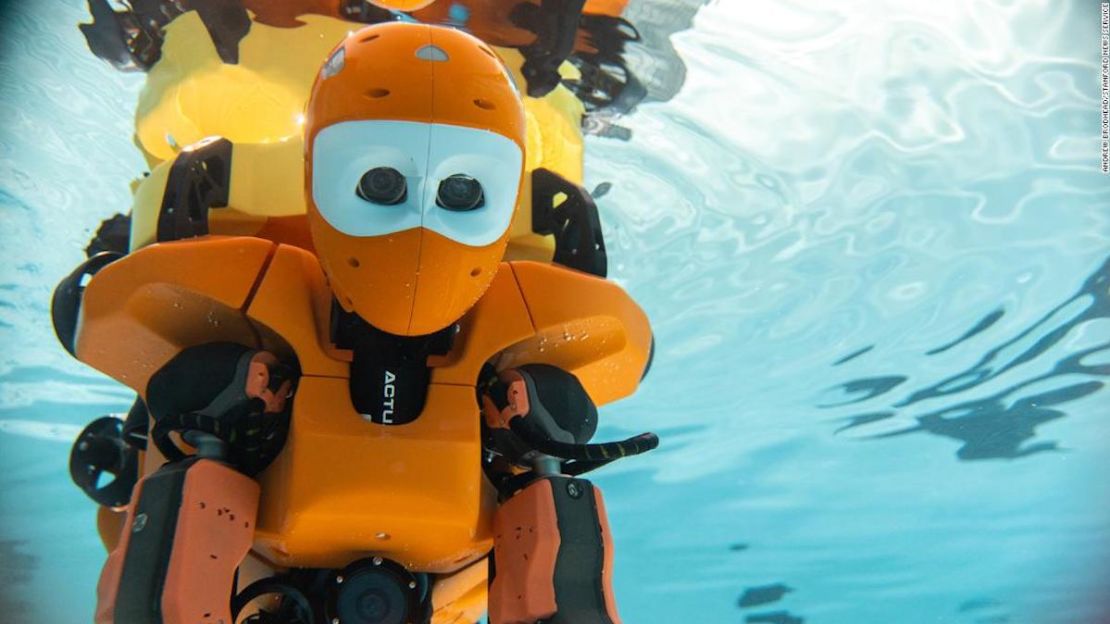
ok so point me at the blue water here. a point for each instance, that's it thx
(871, 236)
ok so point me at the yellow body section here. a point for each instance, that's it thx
(258, 104)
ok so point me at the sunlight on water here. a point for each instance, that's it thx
(872, 239)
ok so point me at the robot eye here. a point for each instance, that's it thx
(382, 185)
(460, 193)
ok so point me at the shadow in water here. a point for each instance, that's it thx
(983, 325)
(763, 594)
(870, 388)
(853, 355)
(15, 573)
(1002, 425)
(774, 617)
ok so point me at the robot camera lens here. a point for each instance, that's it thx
(375, 596)
(460, 193)
(382, 185)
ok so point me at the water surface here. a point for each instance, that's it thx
(872, 238)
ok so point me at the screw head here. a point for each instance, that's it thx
(139, 523)
(574, 490)
(377, 561)
(339, 579)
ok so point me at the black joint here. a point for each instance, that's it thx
(199, 179)
(113, 235)
(555, 23)
(389, 373)
(131, 40)
(363, 12)
(575, 223)
(100, 449)
(227, 24)
(65, 305)
(136, 425)
(605, 81)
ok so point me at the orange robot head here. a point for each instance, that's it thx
(414, 139)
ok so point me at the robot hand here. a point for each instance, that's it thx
(225, 399)
(541, 410)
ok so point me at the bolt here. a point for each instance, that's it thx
(377, 561)
(83, 446)
(139, 524)
(573, 489)
(339, 580)
(335, 621)
(412, 584)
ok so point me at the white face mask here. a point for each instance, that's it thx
(425, 154)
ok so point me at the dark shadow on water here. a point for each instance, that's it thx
(865, 419)
(853, 355)
(989, 429)
(977, 604)
(774, 617)
(985, 611)
(763, 594)
(15, 573)
(1004, 424)
(868, 388)
(980, 327)
(1096, 289)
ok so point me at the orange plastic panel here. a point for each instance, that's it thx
(344, 488)
(107, 587)
(451, 278)
(499, 320)
(605, 7)
(141, 310)
(607, 564)
(526, 545)
(460, 598)
(109, 524)
(213, 534)
(585, 325)
(294, 302)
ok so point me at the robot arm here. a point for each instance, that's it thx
(192, 522)
(553, 553)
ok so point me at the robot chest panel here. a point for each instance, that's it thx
(345, 487)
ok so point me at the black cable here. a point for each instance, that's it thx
(273, 585)
(530, 433)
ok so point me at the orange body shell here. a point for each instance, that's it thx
(344, 488)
